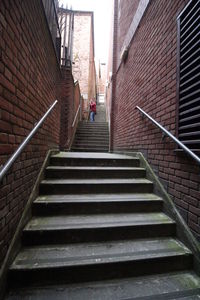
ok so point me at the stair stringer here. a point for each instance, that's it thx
(182, 230)
(15, 244)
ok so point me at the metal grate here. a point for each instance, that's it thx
(189, 75)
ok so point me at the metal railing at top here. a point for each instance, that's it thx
(4, 169)
(166, 132)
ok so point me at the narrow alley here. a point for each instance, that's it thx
(99, 158)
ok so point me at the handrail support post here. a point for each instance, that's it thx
(163, 136)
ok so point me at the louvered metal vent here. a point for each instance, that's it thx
(189, 75)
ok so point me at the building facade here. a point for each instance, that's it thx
(77, 31)
(101, 82)
(155, 65)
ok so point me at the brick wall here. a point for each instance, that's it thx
(148, 79)
(125, 19)
(29, 76)
(81, 49)
(92, 88)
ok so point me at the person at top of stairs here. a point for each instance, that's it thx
(92, 110)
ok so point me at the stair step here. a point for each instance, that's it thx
(93, 159)
(99, 260)
(94, 172)
(88, 140)
(184, 285)
(94, 203)
(95, 141)
(77, 149)
(94, 125)
(70, 186)
(97, 227)
(92, 135)
(92, 129)
(91, 144)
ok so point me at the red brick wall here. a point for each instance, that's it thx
(148, 79)
(70, 97)
(66, 97)
(77, 98)
(29, 72)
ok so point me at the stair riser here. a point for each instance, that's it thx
(57, 161)
(58, 236)
(95, 188)
(100, 271)
(87, 174)
(52, 209)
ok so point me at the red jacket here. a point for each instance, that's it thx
(93, 106)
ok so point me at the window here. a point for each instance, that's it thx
(189, 75)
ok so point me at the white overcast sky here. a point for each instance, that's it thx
(102, 20)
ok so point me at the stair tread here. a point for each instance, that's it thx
(92, 155)
(97, 181)
(173, 285)
(97, 198)
(97, 253)
(93, 168)
(96, 221)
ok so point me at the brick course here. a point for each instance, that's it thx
(148, 79)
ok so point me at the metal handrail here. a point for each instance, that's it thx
(16, 154)
(185, 148)
(76, 116)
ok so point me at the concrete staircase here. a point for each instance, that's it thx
(97, 232)
(91, 137)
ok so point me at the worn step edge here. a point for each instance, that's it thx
(53, 230)
(93, 172)
(43, 236)
(101, 197)
(102, 271)
(165, 286)
(96, 186)
(95, 168)
(59, 206)
(97, 253)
